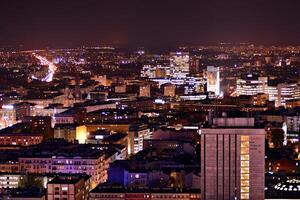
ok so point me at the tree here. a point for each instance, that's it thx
(31, 180)
(277, 137)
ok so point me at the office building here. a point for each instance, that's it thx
(180, 64)
(251, 85)
(232, 163)
(287, 92)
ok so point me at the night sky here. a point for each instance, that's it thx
(70, 23)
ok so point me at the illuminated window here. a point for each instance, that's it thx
(245, 164)
(64, 188)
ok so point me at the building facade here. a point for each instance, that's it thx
(213, 80)
(232, 163)
(180, 64)
(68, 188)
(251, 85)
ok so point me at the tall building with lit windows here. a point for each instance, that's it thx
(213, 79)
(232, 163)
(179, 64)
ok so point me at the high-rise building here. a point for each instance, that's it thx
(232, 163)
(180, 64)
(213, 79)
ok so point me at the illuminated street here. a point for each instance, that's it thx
(51, 67)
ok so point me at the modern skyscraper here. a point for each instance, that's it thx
(213, 79)
(180, 64)
(232, 163)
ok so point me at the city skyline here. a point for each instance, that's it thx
(149, 100)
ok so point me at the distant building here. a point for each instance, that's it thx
(286, 92)
(213, 80)
(71, 116)
(83, 131)
(293, 123)
(179, 64)
(40, 124)
(169, 90)
(145, 91)
(65, 131)
(7, 116)
(20, 134)
(120, 88)
(149, 71)
(251, 85)
(23, 110)
(234, 121)
(279, 92)
(190, 85)
(102, 80)
(155, 71)
(194, 65)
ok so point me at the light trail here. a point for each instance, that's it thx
(51, 68)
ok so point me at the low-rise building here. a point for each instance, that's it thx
(121, 193)
(68, 187)
(21, 135)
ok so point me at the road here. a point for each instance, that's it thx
(51, 67)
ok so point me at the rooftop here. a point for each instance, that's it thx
(68, 179)
(115, 188)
